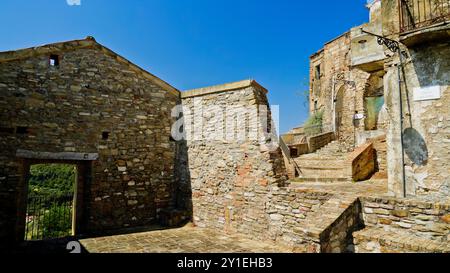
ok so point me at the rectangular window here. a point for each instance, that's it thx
(22, 130)
(317, 71)
(105, 135)
(54, 60)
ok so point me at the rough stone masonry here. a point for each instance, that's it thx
(80, 103)
(76, 98)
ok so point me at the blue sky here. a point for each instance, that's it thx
(196, 43)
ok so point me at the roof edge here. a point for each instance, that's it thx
(329, 42)
(221, 88)
(88, 42)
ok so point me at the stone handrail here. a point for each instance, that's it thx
(287, 153)
(361, 162)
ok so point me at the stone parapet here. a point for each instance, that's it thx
(419, 218)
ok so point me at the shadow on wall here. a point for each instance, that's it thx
(415, 147)
(183, 189)
(426, 68)
(431, 70)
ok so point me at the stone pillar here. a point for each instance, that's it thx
(394, 153)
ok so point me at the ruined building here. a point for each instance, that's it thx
(356, 80)
(383, 89)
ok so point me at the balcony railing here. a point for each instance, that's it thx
(417, 14)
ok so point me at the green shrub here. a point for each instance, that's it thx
(54, 222)
(52, 179)
(51, 189)
(313, 125)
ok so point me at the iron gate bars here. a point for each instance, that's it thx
(417, 14)
(48, 217)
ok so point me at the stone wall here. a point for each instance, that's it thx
(320, 141)
(332, 59)
(338, 237)
(348, 84)
(427, 143)
(422, 219)
(229, 177)
(287, 211)
(361, 162)
(381, 241)
(239, 187)
(93, 101)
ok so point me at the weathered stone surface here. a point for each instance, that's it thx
(66, 111)
(408, 217)
(446, 218)
(400, 213)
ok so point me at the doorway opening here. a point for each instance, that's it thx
(50, 201)
(374, 101)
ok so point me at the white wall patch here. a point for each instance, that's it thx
(427, 93)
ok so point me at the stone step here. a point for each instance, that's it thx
(378, 240)
(328, 164)
(300, 180)
(321, 164)
(322, 173)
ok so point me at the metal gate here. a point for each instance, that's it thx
(49, 217)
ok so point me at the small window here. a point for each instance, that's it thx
(317, 71)
(22, 130)
(105, 135)
(54, 60)
(316, 103)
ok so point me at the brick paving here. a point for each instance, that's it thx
(181, 240)
(190, 239)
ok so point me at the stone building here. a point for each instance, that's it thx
(80, 103)
(148, 154)
(355, 82)
(421, 74)
(231, 189)
(346, 78)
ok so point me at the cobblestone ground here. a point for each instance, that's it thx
(182, 240)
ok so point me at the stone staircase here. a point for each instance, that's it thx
(338, 227)
(325, 165)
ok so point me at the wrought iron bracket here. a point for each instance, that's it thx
(392, 45)
(340, 78)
